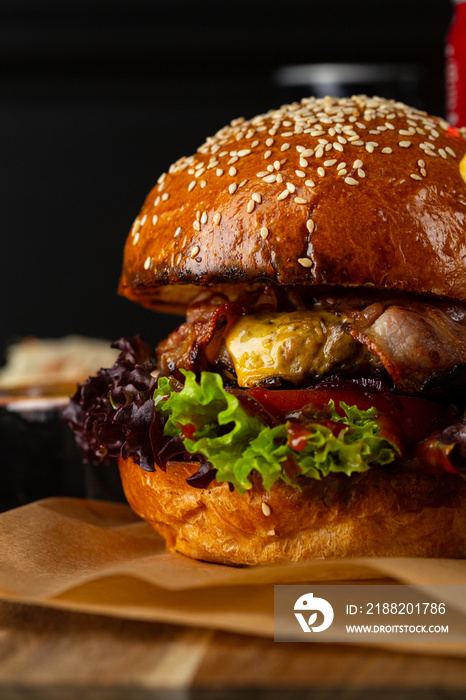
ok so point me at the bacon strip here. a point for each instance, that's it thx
(186, 346)
(412, 341)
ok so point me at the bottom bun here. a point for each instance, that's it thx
(382, 512)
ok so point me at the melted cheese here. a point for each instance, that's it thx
(288, 345)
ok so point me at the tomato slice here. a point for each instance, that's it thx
(281, 401)
(416, 418)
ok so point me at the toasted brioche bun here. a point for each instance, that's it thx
(382, 512)
(360, 191)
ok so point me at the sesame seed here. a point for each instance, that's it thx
(254, 144)
(232, 171)
(300, 149)
(269, 142)
(404, 144)
(196, 226)
(305, 262)
(286, 134)
(251, 205)
(232, 160)
(450, 151)
(267, 154)
(242, 183)
(285, 147)
(283, 194)
(270, 178)
(351, 181)
(194, 251)
(300, 173)
(290, 187)
(338, 147)
(423, 172)
(178, 259)
(165, 196)
(232, 188)
(277, 165)
(178, 231)
(310, 225)
(415, 177)
(155, 218)
(147, 263)
(143, 220)
(300, 200)
(310, 183)
(343, 171)
(329, 163)
(204, 218)
(319, 152)
(307, 153)
(264, 232)
(387, 150)
(219, 172)
(321, 172)
(256, 197)
(136, 238)
(361, 172)
(191, 185)
(265, 508)
(421, 163)
(303, 162)
(443, 153)
(357, 164)
(340, 166)
(369, 148)
(203, 183)
(341, 139)
(216, 218)
(261, 174)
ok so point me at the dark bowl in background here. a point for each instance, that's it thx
(40, 459)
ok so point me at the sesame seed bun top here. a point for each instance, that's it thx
(354, 191)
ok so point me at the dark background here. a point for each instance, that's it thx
(98, 97)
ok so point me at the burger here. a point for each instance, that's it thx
(312, 403)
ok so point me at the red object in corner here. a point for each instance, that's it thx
(455, 66)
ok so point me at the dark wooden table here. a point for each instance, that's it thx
(51, 654)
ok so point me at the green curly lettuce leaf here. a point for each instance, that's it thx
(235, 442)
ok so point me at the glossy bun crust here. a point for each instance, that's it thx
(377, 513)
(359, 191)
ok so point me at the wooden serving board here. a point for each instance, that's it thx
(48, 654)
